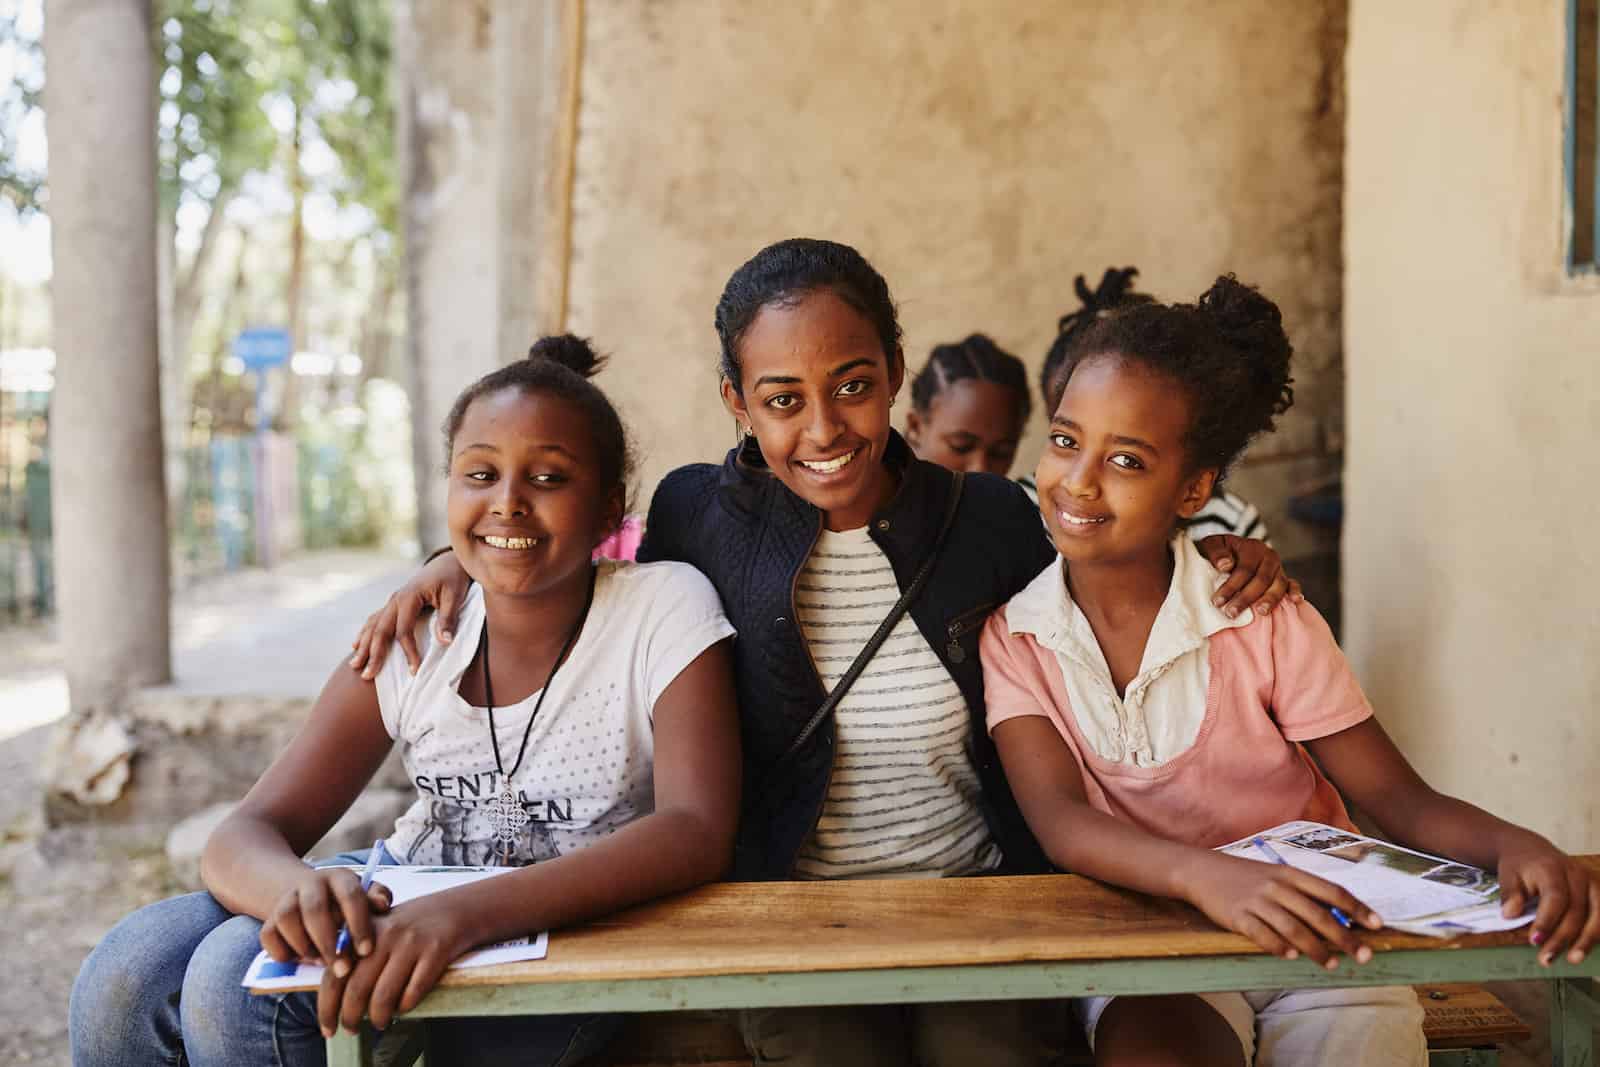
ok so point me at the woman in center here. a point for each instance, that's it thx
(813, 530)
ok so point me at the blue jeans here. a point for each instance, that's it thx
(163, 988)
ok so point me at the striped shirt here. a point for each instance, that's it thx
(1224, 513)
(903, 797)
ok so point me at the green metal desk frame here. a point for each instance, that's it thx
(1575, 1011)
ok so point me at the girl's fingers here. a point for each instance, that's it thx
(1335, 896)
(449, 608)
(364, 982)
(320, 919)
(1319, 918)
(290, 928)
(1552, 905)
(1266, 937)
(1569, 921)
(407, 610)
(1297, 933)
(363, 643)
(386, 992)
(1295, 593)
(273, 943)
(1513, 898)
(1274, 594)
(1591, 926)
(379, 899)
(330, 996)
(424, 976)
(352, 905)
(1252, 592)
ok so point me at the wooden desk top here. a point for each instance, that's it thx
(800, 927)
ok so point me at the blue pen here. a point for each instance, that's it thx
(1271, 854)
(366, 883)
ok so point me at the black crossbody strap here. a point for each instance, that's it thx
(881, 634)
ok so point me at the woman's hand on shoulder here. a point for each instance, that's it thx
(441, 585)
(305, 922)
(1284, 910)
(1568, 916)
(412, 947)
(1256, 578)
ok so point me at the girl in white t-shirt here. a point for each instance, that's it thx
(581, 726)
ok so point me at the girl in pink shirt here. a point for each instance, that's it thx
(1141, 724)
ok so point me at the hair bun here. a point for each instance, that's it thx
(573, 353)
(1252, 325)
(1241, 313)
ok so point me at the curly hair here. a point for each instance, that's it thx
(976, 357)
(1228, 352)
(1114, 291)
(560, 366)
(783, 274)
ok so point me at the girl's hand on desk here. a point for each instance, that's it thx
(1568, 919)
(1284, 910)
(414, 946)
(441, 584)
(305, 922)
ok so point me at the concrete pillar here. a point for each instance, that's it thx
(109, 504)
(487, 133)
(446, 111)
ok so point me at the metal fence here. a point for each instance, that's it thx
(27, 588)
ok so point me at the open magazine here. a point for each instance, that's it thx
(1410, 891)
(404, 883)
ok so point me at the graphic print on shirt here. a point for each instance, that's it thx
(588, 766)
(583, 776)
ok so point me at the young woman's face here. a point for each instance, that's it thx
(526, 505)
(974, 425)
(1114, 477)
(817, 386)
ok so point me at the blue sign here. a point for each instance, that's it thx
(261, 347)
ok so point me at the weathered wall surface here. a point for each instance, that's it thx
(981, 155)
(1471, 564)
(485, 138)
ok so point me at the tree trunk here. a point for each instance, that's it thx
(109, 507)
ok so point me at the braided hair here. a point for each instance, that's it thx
(1114, 291)
(976, 357)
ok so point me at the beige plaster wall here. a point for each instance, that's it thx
(1471, 557)
(980, 154)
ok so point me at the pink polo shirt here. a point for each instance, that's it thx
(1229, 770)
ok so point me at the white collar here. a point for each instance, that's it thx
(1187, 617)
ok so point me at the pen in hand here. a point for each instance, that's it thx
(1272, 854)
(340, 966)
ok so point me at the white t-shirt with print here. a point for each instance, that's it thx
(589, 764)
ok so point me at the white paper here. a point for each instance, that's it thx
(406, 883)
(1409, 890)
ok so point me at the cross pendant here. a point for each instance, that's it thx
(508, 820)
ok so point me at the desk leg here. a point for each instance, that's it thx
(1573, 1015)
(350, 1050)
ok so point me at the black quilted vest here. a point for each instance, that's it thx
(750, 535)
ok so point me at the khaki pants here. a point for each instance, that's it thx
(1379, 1025)
(986, 1033)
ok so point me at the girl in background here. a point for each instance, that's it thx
(969, 404)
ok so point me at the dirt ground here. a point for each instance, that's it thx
(60, 891)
